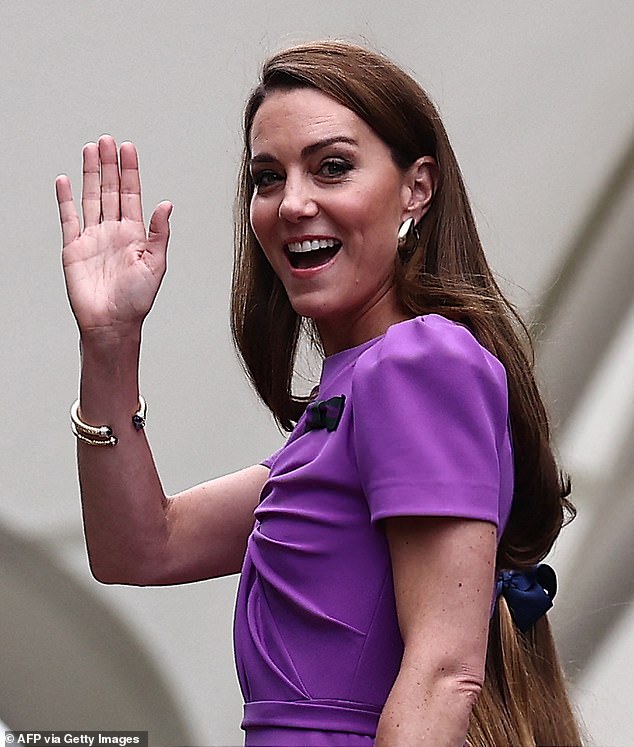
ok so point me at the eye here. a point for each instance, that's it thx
(334, 167)
(265, 178)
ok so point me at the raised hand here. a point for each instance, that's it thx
(113, 268)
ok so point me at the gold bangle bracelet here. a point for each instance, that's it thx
(111, 441)
(102, 435)
(96, 431)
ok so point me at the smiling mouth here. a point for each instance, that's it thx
(304, 255)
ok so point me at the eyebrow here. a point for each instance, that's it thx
(308, 150)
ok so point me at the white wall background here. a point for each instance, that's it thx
(537, 99)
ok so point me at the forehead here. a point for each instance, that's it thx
(303, 116)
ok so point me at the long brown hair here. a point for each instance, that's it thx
(524, 697)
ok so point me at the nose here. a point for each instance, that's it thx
(298, 200)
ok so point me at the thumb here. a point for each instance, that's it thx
(159, 231)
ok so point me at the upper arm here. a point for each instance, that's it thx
(443, 572)
(209, 524)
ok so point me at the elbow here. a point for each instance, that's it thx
(139, 564)
(468, 686)
(122, 579)
(453, 674)
(457, 682)
(462, 684)
(110, 575)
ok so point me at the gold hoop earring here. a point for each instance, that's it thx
(407, 239)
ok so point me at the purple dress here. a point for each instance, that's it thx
(423, 432)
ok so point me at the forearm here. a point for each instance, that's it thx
(427, 708)
(124, 505)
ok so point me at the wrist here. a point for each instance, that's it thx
(109, 346)
(109, 370)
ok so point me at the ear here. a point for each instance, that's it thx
(421, 179)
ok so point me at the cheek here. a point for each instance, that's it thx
(380, 209)
(262, 226)
(258, 219)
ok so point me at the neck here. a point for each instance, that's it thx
(338, 335)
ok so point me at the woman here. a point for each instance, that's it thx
(370, 597)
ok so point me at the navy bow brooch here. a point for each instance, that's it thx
(325, 414)
(529, 594)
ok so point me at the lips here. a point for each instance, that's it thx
(310, 253)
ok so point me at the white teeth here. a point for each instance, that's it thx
(310, 246)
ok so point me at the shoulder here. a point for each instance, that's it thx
(434, 347)
(431, 434)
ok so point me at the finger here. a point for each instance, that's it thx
(131, 207)
(67, 213)
(110, 207)
(159, 231)
(90, 191)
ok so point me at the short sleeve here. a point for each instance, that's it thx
(431, 423)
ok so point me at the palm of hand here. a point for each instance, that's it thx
(111, 275)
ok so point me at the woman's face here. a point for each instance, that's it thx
(327, 206)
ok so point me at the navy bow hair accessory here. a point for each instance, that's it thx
(529, 594)
(325, 414)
